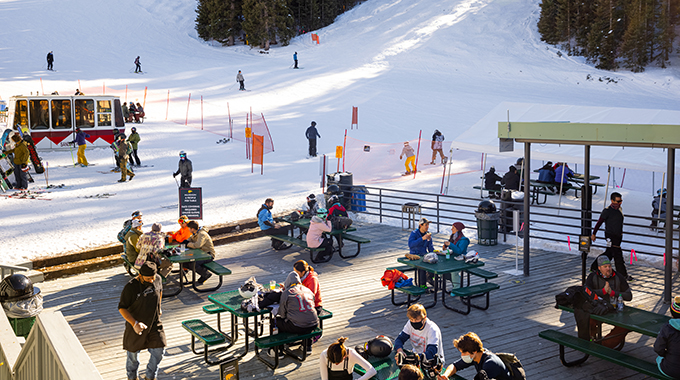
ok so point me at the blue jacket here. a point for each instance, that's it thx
(417, 245)
(80, 138)
(295, 57)
(546, 176)
(558, 174)
(263, 217)
(461, 247)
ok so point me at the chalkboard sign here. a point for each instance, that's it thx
(229, 370)
(191, 202)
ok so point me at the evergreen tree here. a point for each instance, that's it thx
(264, 20)
(547, 23)
(634, 47)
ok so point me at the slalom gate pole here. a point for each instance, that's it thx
(126, 93)
(47, 166)
(606, 187)
(103, 88)
(231, 131)
(41, 87)
(623, 178)
(186, 121)
(481, 191)
(201, 112)
(144, 101)
(415, 170)
(344, 152)
(270, 135)
(167, 106)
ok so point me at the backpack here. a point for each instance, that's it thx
(127, 225)
(567, 297)
(513, 365)
(341, 222)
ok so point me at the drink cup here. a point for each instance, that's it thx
(272, 284)
(183, 247)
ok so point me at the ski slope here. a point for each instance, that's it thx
(407, 65)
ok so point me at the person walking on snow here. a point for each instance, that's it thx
(21, 159)
(82, 144)
(122, 149)
(295, 59)
(134, 140)
(241, 81)
(437, 145)
(50, 59)
(410, 158)
(185, 169)
(311, 135)
(138, 65)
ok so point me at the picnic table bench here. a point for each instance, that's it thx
(498, 192)
(209, 336)
(540, 188)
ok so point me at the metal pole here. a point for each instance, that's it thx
(586, 212)
(527, 170)
(670, 181)
(437, 213)
(380, 201)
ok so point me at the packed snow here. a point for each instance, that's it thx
(407, 65)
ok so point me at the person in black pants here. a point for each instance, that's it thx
(50, 59)
(612, 217)
(311, 135)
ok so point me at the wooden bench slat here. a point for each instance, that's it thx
(217, 269)
(474, 289)
(479, 272)
(355, 238)
(602, 352)
(284, 338)
(203, 332)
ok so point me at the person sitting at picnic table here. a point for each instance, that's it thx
(200, 239)
(458, 244)
(490, 179)
(472, 353)
(309, 279)
(315, 234)
(410, 372)
(562, 173)
(182, 235)
(267, 225)
(338, 361)
(309, 208)
(546, 174)
(667, 344)
(511, 179)
(420, 243)
(659, 201)
(131, 238)
(296, 313)
(608, 285)
(425, 336)
(150, 245)
(338, 216)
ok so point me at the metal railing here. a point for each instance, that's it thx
(548, 223)
(8, 270)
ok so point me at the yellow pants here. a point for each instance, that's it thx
(81, 154)
(410, 163)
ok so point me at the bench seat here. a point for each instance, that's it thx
(479, 272)
(410, 291)
(355, 238)
(602, 352)
(401, 268)
(303, 244)
(206, 334)
(217, 269)
(276, 342)
(467, 293)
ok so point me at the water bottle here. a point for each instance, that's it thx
(619, 304)
(448, 254)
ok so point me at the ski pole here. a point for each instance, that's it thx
(176, 181)
(47, 166)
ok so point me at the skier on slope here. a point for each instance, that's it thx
(311, 135)
(437, 145)
(295, 59)
(240, 80)
(50, 59)
(138, 65)
(410, 158)
(123, 149)
(184, 168)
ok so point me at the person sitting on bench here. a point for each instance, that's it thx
(338, 361)
(410, 372)
(150, 245)
(608, 285)
(315, 234)
(425, 336)
(338, 216)
(472, 353)
(131, 238)
(667, 344)
(490, 179)
(562, 174)
(200, 239)
(511, 179)
(267, 225)
(458, 244)
(181, 235)
(658, 201)
(420, 243)
(309, 279)
(296, 309)
(546, 174)
(309, 208)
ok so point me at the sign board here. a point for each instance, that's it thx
(191, 202)
(229, 370)
(506, 145)
(249, 132)
(584, 243)
(338, 151)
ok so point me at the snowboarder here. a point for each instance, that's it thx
(410, 158)
(295, 59)
(138, 65)
(21, 157)
(134, 140)
(82, 144)
(437, 144)
(123, 149)
(311, 135)
(184, 168)
(50, 59)
(240, 80)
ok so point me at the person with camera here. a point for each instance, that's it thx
(472, 353)
(425, 336)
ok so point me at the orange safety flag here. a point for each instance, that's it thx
(338, 151)
(258, 149)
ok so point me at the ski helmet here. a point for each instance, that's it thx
(322, 213)
(17, 287)
(182, 153)
(247, 290)
(431, 367)
(406, 358)
(313, 123)
(333, 200)
(332, 190)
(134, 129)
(380, 346)
(486, 207)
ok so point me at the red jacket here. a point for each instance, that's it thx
(391, 276)
(311, 281)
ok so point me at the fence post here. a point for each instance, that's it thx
(380, 205)
(437, 213)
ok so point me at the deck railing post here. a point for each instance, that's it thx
(437, 213)
(380, 206)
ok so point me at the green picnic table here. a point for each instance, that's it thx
(188, 256)
(387, 368)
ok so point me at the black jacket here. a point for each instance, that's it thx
(667, 344)
(312, 133)
(613, 221)
(490, 180)
(510, 181)
(617, 283)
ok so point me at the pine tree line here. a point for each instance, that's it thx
(634, 33)
(263, 22)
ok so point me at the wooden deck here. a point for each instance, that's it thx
(351, 289)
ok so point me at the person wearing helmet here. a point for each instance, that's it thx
(437, 147)
(311, 135)
(658, 208)
(425, 336)
(410, 154)
(21, 159)
(134, 140)
(182, 235)
(315, 234)
(338, 361)
(241, 81)
(490, 179)
(140, 306)
(123, 149)
(511, 179)
(184, 168)
(667, 344)
(82, 144)
(472, 353)
(337, 213)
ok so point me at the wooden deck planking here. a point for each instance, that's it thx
(351, 289)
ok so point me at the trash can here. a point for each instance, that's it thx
(330, 191)
(487, 223)
(346, 184)
(21, 301)
(359, 198)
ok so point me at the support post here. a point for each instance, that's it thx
(527, 201)
(586, 208)
(670, 193)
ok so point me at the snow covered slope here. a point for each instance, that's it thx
(407, 65)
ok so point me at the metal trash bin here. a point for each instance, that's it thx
(358, 203)
(21, 301)
(411, 209)
(487, 223)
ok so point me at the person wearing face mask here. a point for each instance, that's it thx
(337, 363)
(472, 353)
(425, 336)
(185, 169)
(609, 285)
(612, 217)
(140, 306)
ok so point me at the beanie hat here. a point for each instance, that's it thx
(675, 308)
(603, 260)
(148, 269)
(136, 223)
(156, 227)
(184, 218)
(136, 213)
(459, 226)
